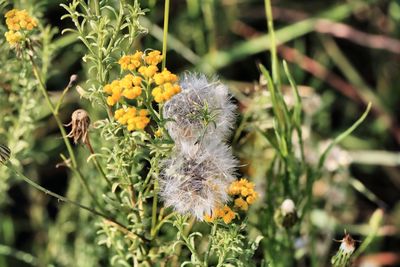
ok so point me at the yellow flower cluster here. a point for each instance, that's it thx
(17, 20)
(148, 71)
(133, 118)
(13, 38)
(153, 58)
(225, 213)
(243, 191)
(143, 75)
(129, 87)
(146, 65)
(166, 86)
(131, 62)
(244, 194)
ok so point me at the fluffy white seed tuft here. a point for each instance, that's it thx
(195, 181)
(196, 177)
(203, 110)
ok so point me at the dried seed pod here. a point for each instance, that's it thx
(80, 122)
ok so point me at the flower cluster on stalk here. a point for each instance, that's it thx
(196, 178)
(144, 84)
(18, 23)
(243, 194)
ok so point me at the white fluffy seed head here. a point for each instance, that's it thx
(195, 180)
(288, 207)
(203, 110)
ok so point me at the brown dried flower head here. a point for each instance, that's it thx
(80, 122)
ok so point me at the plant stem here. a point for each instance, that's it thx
(190, 247)
(339, 138)
(162, 221)
(66, 200)
(61, 127)
(271, 32)
(207, 255)
(19, 255)
(154, 208)
(165, 35)
(96, 163)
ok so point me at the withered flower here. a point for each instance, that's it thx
(80, 122)
(343, 256)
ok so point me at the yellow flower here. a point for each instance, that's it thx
(133, 118)
(130, 90)
(107, 89)
(13, 38)
(165, 77)
(132, 93)
(229, 215)
(119, 113)
(153, 58)
(243, 189)
(137, 81)
(165, 92)
(111, 101)
(159, 132)
(251, 199)
(240, 203)
(208, 218)
(19, 20)
(114, 89)
(131, 62)
(149, 71)
(225, 213)
(143, 113)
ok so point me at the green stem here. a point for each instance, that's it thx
(66, 200)
(154, 209)
(207, 255)
(190, 247)
(209, 20)
(165, 35)
(42, 87)
(117, 28)
(162, 221)
(96, 7)
(96, 162)
(59, 102)
(19, 255)
(271, 32)
(341, 137)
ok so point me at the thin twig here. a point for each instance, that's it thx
(43, 89)
(66, 200)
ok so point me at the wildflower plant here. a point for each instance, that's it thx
(19, 95)
(149, 156)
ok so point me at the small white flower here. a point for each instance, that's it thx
(203, 110)
(195, 180)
